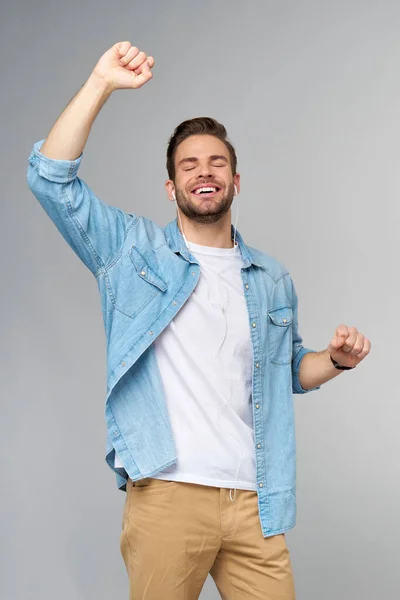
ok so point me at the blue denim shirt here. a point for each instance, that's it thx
(145, 274)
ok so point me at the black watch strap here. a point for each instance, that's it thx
(339, 367)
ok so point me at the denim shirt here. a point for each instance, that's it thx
(145, 274)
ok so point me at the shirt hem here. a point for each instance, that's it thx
(184, 478)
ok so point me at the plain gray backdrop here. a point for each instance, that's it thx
(310, 94)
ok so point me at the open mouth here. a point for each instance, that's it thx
(206, 191)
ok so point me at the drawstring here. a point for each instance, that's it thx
(232, 499)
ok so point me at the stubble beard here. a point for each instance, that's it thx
(199, 213)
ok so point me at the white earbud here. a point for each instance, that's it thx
(173, 195)
(235, 188)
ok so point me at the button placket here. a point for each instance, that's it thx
(257, 376)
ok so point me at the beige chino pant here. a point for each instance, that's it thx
(175, 534)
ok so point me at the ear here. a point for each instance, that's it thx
(170, 189)
(236, 181)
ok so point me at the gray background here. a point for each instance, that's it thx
(309, 92)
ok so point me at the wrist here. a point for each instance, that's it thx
(100, 85)
(338, 366)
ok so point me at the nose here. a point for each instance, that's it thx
(204, 171)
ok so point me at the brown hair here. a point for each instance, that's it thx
(197, 126)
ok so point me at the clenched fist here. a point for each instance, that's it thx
(348, 346)
(124, 67)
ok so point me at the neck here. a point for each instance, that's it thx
(215, 235)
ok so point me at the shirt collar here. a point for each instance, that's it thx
(177, 244)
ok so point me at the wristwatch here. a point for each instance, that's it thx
(339, 367)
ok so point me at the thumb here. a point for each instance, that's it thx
(143, 74)
(336, 343)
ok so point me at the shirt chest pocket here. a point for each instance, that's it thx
(280, 335)
(135, 284)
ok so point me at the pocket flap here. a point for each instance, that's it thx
(144, 271)
(281, 316)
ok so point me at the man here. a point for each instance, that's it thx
(204, 354)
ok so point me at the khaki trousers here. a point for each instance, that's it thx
(175, 534)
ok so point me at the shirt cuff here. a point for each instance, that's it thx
(59, 171)
(297, 388)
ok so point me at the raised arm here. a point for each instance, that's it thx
(93, 229)
(121, 67)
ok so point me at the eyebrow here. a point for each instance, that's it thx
(193, 159)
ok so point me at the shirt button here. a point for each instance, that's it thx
(284, 321)
(143, 272)
(258, 445)
(123, 364)
(260, 485)
(257, 406)
(174, 303)
(151, 332)
(257, 365)
(254, 325)
(115, 433)
(193, 273)
(247, 286)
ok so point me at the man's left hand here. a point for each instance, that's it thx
(348, 346)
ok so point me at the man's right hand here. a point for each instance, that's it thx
(121, 67)
(124, 67)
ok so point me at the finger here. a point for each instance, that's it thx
(144, 76)
(122, 48)
(132, 53)
(341, 331)
(334, 345)
(339, 338)
(366, 349)
(136, 61)
(150, 62)
(358, 346)
(351, 340)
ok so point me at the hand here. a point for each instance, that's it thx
(348, 346)
(124, 67)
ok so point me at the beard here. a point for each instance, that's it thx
(206, 211)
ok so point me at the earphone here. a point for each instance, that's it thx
(173, 195)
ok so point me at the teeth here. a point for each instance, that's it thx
(205, 189)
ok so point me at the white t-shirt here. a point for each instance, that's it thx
(205, 360)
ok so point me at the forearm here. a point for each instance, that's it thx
(70, 133)
(316, 368)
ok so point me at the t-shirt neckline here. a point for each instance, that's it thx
(211, 251)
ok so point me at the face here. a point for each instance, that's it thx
(204, 184)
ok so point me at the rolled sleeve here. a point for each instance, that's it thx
(296, 385)
(93, 229)
(58, 171)
(299, 351)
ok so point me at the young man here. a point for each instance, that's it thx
(204, 354)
